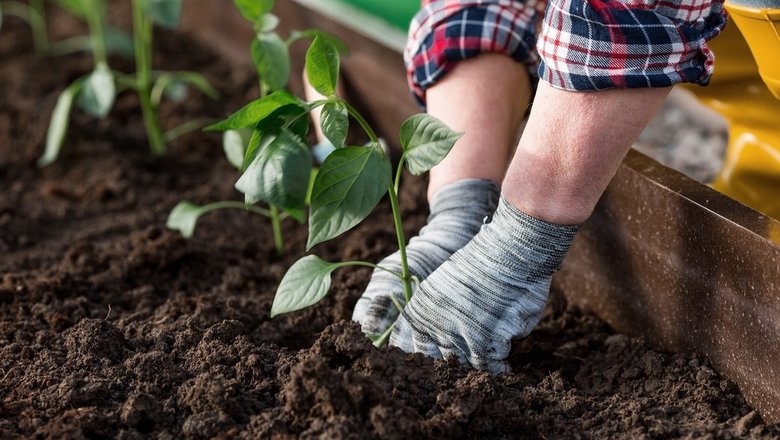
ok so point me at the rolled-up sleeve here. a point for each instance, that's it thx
(603, 44)
(445, 32)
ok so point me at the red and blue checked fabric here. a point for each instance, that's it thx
(583, 45)
(605, 44)
(447, 31)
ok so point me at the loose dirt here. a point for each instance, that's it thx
(112, 326)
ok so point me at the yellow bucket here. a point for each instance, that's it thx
(761, 29)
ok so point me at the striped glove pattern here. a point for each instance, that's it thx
(457, 212)
(492, 290)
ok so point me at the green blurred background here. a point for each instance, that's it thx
(396, 12)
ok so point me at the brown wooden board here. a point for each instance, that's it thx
(676, 262)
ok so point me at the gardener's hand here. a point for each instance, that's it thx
(457, 212)
(492, 290)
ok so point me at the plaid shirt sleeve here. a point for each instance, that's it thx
(584, 44)
(603, 44)
(447, 31)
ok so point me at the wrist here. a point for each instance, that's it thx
(527, 240)
(473, 197)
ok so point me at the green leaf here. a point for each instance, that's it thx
(253, 10)
(234, 144)
(58, 125)
(272, 60)
(165, 13)
(298, 122)
(184, 217)
(322, 66)
(425, 141)
(334, 41)
(335, 122)
(173, 85)
(279, 175)
(257, 141)
(312, 33)
(255, 111)
(98, 93)
(291, 117)
(196, 80)
(304, 284)
(348, 186)
(117, 41)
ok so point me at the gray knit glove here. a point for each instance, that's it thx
(457, 212)
(492, 290)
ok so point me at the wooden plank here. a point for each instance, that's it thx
(674, 261)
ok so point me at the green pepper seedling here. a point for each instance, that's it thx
(96, 92)
(351, 182)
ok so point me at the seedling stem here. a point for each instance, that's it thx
(95, 23)
(276, 221)
(382, 339)
(38, 26)
(399, 232)
(142, 44)
(276, 225)
(359, 118)
(392, 192)
(35, 16)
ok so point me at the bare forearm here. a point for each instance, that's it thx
(572, 147)
(486, 98)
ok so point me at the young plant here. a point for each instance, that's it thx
(184, 216)
(351, 181)
(34, 14)
(272, 127)
(114, 40)
(95, 92)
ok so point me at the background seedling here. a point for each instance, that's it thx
(114, 40)
(351, 181)
(266, 139)
(34, 14)
(95, 92)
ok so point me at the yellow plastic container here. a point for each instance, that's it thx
(751, 170)
(761, 29)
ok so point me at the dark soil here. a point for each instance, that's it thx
(112, 326)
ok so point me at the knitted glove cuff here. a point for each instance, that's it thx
(476, 195)
(528, 239)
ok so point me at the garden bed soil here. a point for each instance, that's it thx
(112, 326)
